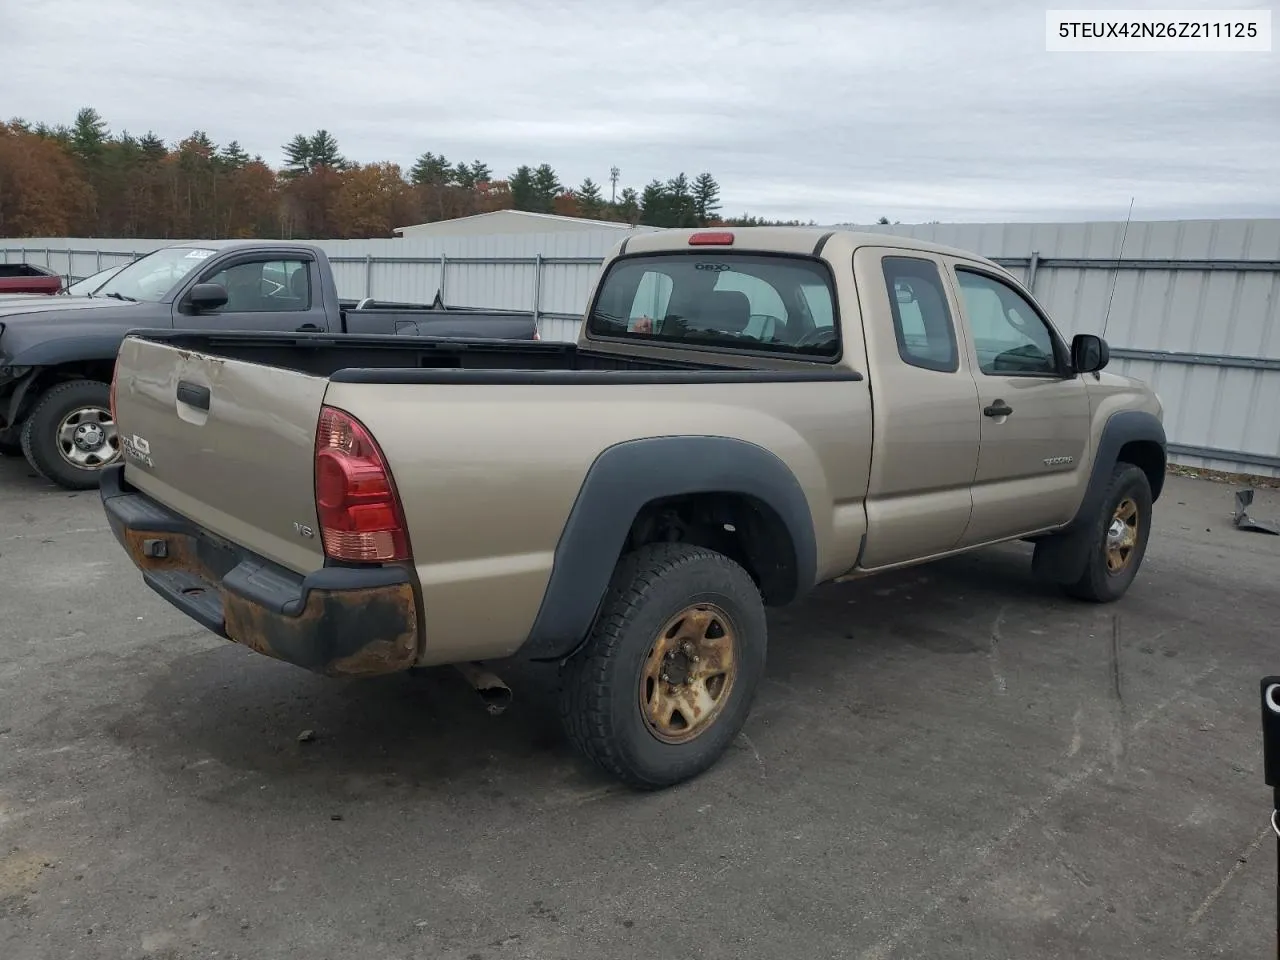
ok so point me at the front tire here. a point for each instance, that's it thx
(1117, 539)
(70, 435)
(667, 677)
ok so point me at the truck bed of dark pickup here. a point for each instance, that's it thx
(57, 353)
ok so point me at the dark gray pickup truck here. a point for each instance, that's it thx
(57, 353)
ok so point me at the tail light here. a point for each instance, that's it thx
(361, 519)
(715, 238)
(111, 397)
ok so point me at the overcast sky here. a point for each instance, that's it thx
(836, 111)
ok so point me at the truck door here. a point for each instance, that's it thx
(264, 292)
(1034, 412)
(924, 408)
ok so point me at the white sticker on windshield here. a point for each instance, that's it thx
(199, 254)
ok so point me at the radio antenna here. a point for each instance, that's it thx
(1116, 276)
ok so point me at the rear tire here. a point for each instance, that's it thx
(1116, 541)
(69, 437)
(633, 699)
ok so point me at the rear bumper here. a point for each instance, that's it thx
(338, 621)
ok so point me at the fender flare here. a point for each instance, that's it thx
(53, 353)
(620, 482)
(1124, 427)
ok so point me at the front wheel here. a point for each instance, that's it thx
(1117, 539)
(669, 672)
(70, 435)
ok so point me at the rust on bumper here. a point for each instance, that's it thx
(340, 633)
(336, 621)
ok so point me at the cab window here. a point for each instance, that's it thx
(922, 321)
(1009, 336)
(775, 304)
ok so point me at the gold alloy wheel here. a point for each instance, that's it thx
(1122, 535)
(688, 674)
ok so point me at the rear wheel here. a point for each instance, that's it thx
(70, 435)
(668, 675)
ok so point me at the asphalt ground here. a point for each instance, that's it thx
(946, 762)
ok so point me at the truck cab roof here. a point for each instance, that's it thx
(792, 240)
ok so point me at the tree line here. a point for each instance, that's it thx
(83, 180)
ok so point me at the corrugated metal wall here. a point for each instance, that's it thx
(1194, 307)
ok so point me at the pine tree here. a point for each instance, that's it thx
(546, 187)
(232, 156)
(706, 199)
(89, 135)
(680, 209)
(522, 189)
(297, 155)
(654, 209)
(629, 206)
(324, 151)
(590, 202)
(431, 170)
(152, 147)
(463, 177)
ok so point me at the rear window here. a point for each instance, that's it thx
(736, 301)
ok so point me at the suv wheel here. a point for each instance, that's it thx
(70, 434)
(669, 672)
(1117, 540)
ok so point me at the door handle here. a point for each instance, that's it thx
(194, 395)
(997, 409)
(309, 328)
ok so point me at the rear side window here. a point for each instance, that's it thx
(736, 301)
(922, 321)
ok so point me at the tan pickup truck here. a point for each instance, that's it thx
(745, 415)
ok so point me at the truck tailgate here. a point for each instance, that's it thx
(226, 443)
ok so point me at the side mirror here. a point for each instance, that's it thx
(207, 296)
(1089, 353)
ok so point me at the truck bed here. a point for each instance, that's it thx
(383, 319)
(379, 358)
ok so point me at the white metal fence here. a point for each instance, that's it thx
(1194, 305)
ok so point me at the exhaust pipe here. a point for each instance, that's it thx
(495, 694)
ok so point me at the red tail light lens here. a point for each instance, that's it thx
(111, 401)
(712, 239)
(361, 520)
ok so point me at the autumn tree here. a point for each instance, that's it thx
(80, 179)
(41, 191)
(372, 200)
